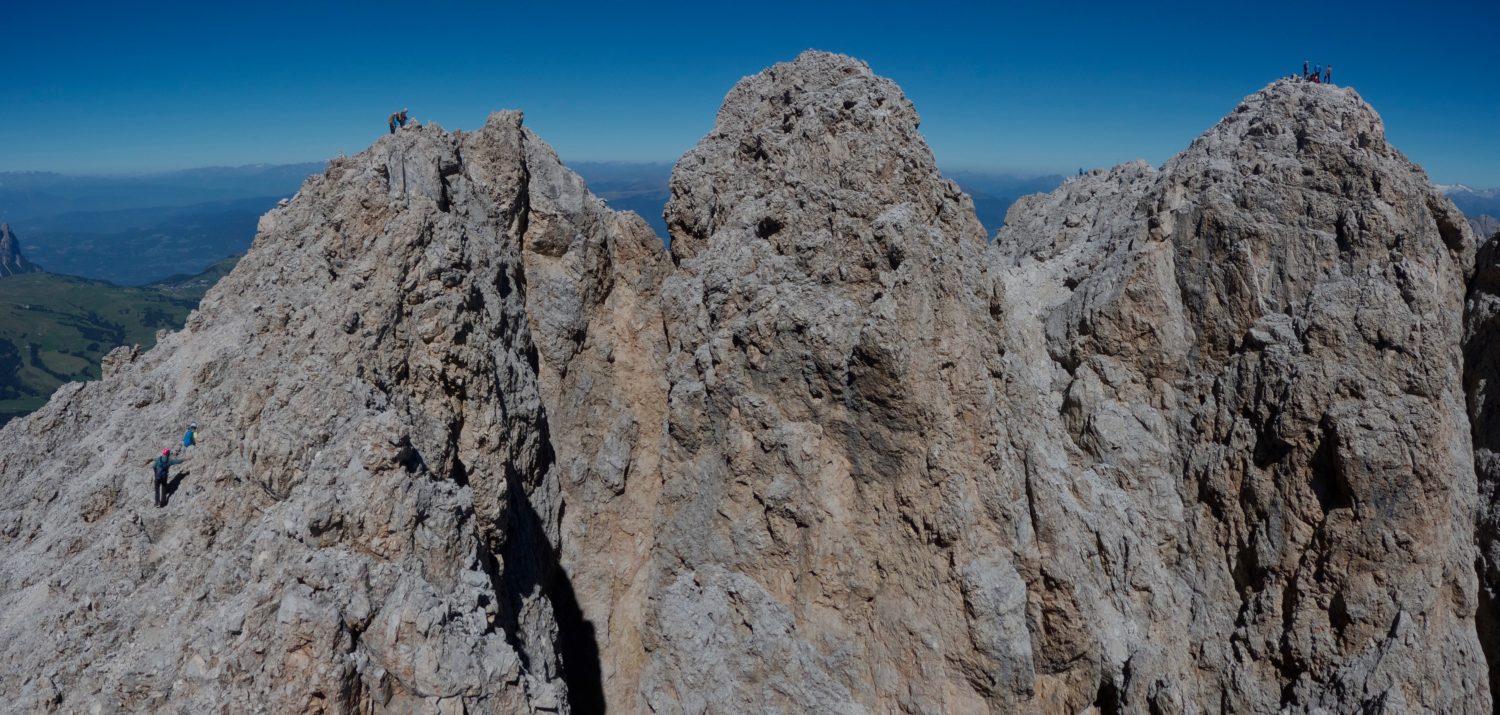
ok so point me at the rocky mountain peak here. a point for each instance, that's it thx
(370, 517)
(1289, 275)
(1179, 439)
(800, 137)
(11, 260)
(1289, 116)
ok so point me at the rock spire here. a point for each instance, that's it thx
(11, 260)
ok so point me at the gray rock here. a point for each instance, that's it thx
(1262, 458)
(830, 410)
(1484, 226)
(1183, 439)
(11, 260)
(369, 520)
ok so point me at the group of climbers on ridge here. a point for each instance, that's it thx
(1317, 74)
(162, 465)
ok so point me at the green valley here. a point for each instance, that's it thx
(55, 329)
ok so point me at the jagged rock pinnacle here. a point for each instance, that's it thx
(821, 133)
(1288, 116)
(11, 260)
(369, 521)
(1180, 439)
(1266, 331)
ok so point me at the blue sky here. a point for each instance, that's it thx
(1041, 87)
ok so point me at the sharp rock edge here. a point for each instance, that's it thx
(11, 260)
(1186, 438)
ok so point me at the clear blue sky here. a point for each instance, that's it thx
(1041, 87)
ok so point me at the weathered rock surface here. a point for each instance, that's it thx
(11, 260)
(1481, 375)
(1180, 439)
(370, 519)
(830, 506)
(1485, 227)
(1188, 439)
(1258, 498)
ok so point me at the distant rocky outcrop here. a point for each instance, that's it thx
(1187, 439)
(1485, 226)
(11, 260)
(1472, 201)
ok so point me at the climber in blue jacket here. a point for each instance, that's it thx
(162, 466)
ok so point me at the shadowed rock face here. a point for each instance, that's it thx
(1484, 226)
(11, 260)
(1481, 369)
(371, 518)
(1179, 440)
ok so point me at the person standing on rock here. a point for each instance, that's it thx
(398, 120)
(1304, 69)
(1328, 74)
(162, 467)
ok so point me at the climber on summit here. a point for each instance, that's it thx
(398, 120)
(1328, 74)
(1304, 69)
(162, 466)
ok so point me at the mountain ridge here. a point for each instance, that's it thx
(1185, 437)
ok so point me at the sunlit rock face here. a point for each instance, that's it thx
(1194, 438)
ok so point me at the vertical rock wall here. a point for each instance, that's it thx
(1209, 437)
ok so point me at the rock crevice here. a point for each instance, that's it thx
(1208, 436)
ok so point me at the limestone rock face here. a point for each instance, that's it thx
(1185, 439)
(1181, 437)
(370, 519)
(1485, 227)
(1481, 374)
(1256, 494)
(11, 260)
(830, 508)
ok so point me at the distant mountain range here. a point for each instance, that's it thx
(135, 229)
(1481, 206)
(35, 194)
(994, 192)
(1473, 202)
(141, 245)
(643, 188)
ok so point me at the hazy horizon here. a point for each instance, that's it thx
(99, 88)
(665, 164)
